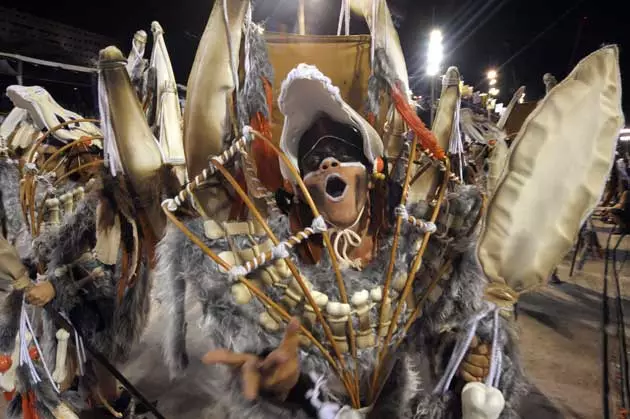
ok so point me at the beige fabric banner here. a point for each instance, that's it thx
(345, 59)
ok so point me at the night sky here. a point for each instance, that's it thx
(522, 38)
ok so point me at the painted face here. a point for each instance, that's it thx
(334, 171)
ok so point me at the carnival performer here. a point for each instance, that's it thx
(339, 158)
(94, 264)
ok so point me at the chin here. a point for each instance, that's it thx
(344, 221)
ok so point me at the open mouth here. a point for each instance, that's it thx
(335, 187)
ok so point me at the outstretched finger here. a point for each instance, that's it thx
(251, 379)
(223, 356)
(483, 349)
(287, 349)
(291, 340)
(474, 343)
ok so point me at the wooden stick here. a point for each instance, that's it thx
(250, 286)
(45, 135)
(290, 264)
(392, 257)
(66, 147)
(328, 245)
(412, 273)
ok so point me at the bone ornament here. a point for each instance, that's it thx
(480, 401)
(271, 275)
(242, 295)
(338, 318)
(321, 300)
(268, 275)
(309, 316)
(268, 321)
(399, 285)
(365, 337)
(79, 193)
(67, 200)
(7, 380)
(377, 296)
(309, 319)
(59, 374)
(282, 268)
(293, 294)
(52, 211)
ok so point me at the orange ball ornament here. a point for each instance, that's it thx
(379, 165)
(287, 186)
(33, 353)
(5, 363)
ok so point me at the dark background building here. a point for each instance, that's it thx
(26, 35)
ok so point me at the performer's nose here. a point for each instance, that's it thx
(328, 163)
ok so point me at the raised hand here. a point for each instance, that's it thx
(476, 365)
(277, 373)
(40, 294)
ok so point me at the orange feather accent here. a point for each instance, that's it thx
(371, 118)
(29, 411)
(425, 137)
(8, 395)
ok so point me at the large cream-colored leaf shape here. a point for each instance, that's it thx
(385, 38)
(443, 127)
(211, 84)
(168, 113)
(515, 98)
(496, 163)
(554, 176)
(139, 155)
(384, 35)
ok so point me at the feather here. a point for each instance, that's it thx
(426, 138)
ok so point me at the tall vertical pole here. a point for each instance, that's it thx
(20, 73)
(301, 19)
(432, 99)
(433, 78)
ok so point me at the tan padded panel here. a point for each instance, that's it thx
(344, 59)
(554, 175)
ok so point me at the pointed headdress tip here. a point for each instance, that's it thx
(140, 36)
(451, 77)
(156, 27)
(110, 56)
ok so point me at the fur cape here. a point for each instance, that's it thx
(110, 326)
(184, 269)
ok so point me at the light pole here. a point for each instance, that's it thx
(493, 92)
(434, 61)
(301, 18)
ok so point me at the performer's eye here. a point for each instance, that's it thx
(311, 162)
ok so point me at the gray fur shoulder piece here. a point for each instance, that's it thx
(10, 208)
(68, 242)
